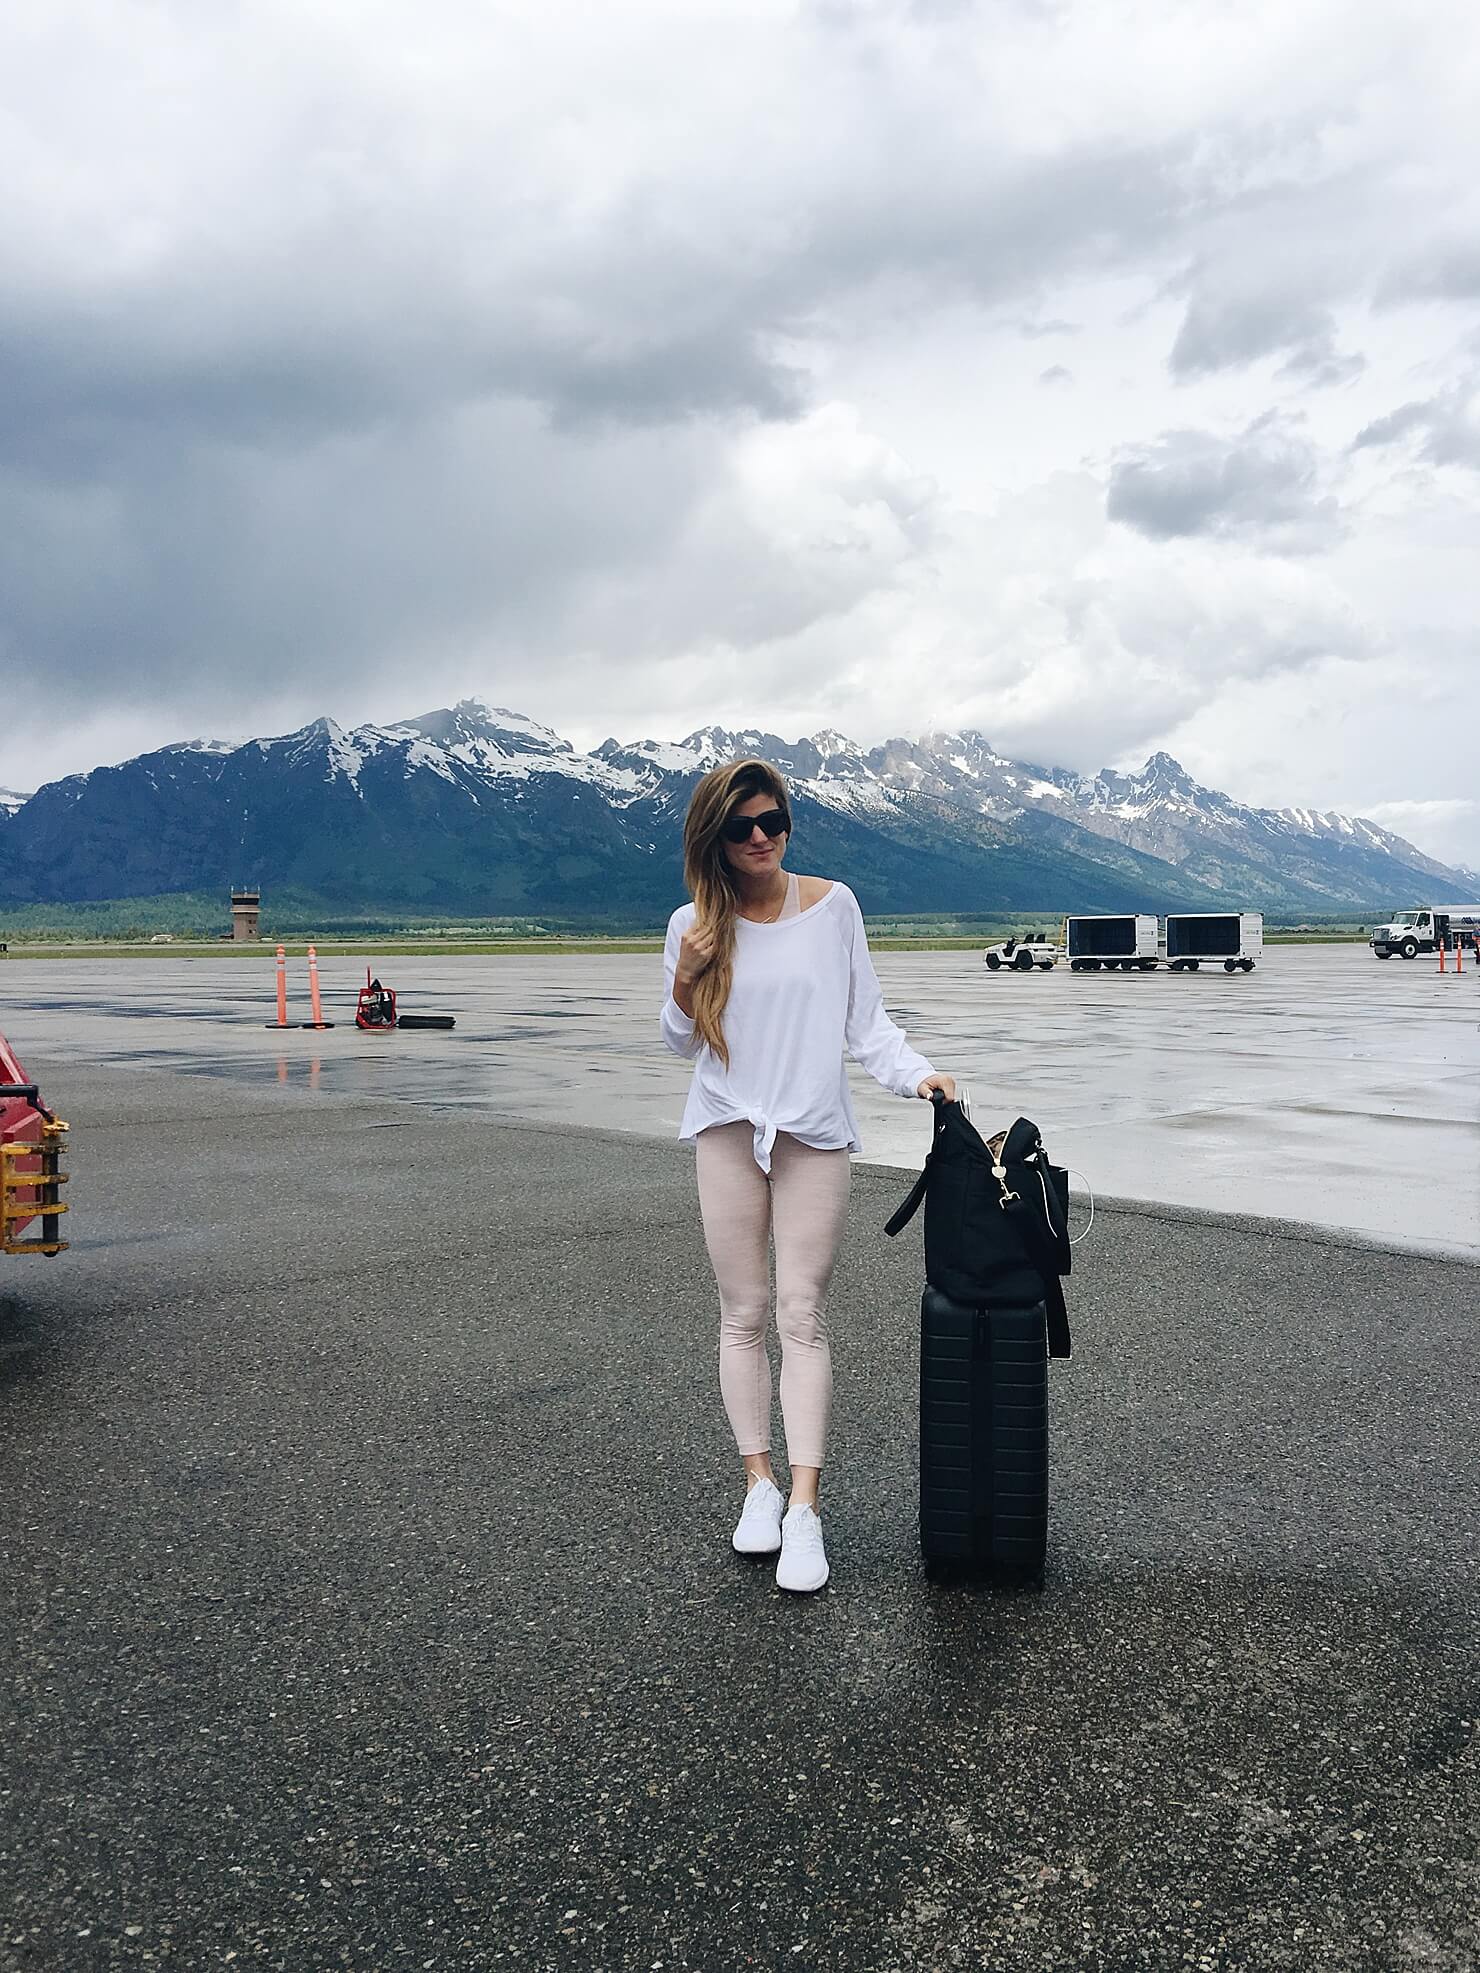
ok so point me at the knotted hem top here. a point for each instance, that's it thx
(804, 994)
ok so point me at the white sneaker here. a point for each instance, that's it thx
(758, 1531)
(803, 1563)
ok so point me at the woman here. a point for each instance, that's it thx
(769, 981)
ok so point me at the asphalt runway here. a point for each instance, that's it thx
(369, 1602)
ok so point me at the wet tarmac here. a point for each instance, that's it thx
(368, 1602)
(1327, 1087)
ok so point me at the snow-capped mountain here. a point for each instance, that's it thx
(1359, 829)
(1167, 814)
(464, 745)
(10, 801)
(477, 808)
(1214, 841)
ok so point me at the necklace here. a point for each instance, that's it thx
(771, 920)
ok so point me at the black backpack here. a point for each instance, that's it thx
(996, 1219)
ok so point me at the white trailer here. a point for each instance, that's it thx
(1425, 927)
(1128, 943)
(1235, 937)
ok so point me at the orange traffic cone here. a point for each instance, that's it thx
(282, 991)
(318, 1020)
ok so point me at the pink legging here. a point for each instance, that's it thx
(802, 1204)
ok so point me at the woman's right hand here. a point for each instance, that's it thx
(695, 954)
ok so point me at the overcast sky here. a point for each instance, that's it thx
(1101, 374)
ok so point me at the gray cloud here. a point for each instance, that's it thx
(247, 571)
(1057, 375)
(1283, 244)
(1321, 365)
(1442, 270)
(336, 347)
(1446, 426)
(1221, 332)
(323, 379)
(307, 270)
(1261, 487)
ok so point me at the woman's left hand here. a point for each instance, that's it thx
(945, 1084)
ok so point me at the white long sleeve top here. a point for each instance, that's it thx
(804, 990)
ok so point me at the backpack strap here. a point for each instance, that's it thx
(911, 1203)
(1047, 1242)
(1044, 1230)
(1058, 1317)
(906, 1212)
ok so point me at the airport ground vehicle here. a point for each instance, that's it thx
(1022, 954)
(1198, 937)
(1425, 928)
(32, 1141)
(1129, 943)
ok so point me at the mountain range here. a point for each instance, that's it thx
(474, 809)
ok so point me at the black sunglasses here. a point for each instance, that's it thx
(738, 828)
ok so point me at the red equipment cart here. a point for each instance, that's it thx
(32, 1142)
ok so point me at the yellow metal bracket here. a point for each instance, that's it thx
(32, 1193)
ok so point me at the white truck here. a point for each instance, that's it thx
(1235, 937)
(1425, 928)
(1129, 943)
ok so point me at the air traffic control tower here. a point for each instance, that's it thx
(246, 907)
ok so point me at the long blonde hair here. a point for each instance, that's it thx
(711, 880)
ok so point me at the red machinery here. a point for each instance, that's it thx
(32, 1141)
(376, 1010)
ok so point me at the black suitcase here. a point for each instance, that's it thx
(996, 1243)
(983, 1439)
